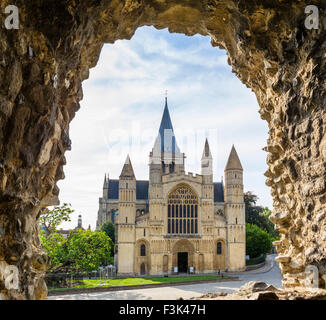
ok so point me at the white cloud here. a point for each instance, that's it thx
(122, 109)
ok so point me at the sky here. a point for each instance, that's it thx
(123, 104)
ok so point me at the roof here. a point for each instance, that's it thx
(218, 192)
(127, 170)
(233, 161)
(142, 190)
(166, 133)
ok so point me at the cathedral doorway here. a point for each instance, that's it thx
(183, 262)
(142, 269)
(183, 255)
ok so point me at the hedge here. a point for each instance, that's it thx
(252, 262)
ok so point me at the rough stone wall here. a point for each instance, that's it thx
(43, 64)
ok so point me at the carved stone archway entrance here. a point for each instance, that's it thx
(183, 255)
(44, 62)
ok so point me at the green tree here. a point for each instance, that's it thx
(54, 246)
(258, 241)
(51, 219)
(109, 228)
(88, 250)
(258, 215)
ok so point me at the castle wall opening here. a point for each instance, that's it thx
(269, 49)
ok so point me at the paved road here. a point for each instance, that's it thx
(270, 274)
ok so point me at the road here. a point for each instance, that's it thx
(270, 274)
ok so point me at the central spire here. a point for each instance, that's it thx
(166, 133)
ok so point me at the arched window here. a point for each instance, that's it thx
(142, 250)
(182, 211)
(219, 248)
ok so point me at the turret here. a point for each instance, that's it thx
(106, 187)
(80, 223)
(207, 187)
(127, 193)
(165, 156)
(233, 178)
(207, 164)
(125, 224)
(235, 213)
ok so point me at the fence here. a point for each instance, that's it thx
(72, 279)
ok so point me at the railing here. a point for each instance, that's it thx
(72, 279)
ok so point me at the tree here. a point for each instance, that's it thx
(258, 215)
(109, 229)
(51, 219)
(54, 246)
(258, 241)
(88, 250)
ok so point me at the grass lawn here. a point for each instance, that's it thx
(93, 283)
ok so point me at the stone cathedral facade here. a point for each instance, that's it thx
(176, 221)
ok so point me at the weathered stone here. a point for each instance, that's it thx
(264, 295)
(44, 62)
(283, 259)
(255, 286)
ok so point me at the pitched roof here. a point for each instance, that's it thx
(218, 192)
(127, 170)
(141, 189)
(233, 161)
(166, 133)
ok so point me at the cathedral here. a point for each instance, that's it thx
(176, 222)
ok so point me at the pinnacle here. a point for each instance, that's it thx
(127, 170)
(207, 151)
(233, 161)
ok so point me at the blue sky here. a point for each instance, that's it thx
(123, 105)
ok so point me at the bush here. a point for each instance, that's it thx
(54, 246)
(258, 241)
(83, 250)
(254, 261)
(88, 250)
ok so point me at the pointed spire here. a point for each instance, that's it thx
(233, 161)
(127, 170)
(106, 182)
(166, 122)
(127, 159)
(207, 151)
(166, 136)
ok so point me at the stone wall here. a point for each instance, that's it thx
(44, 62)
